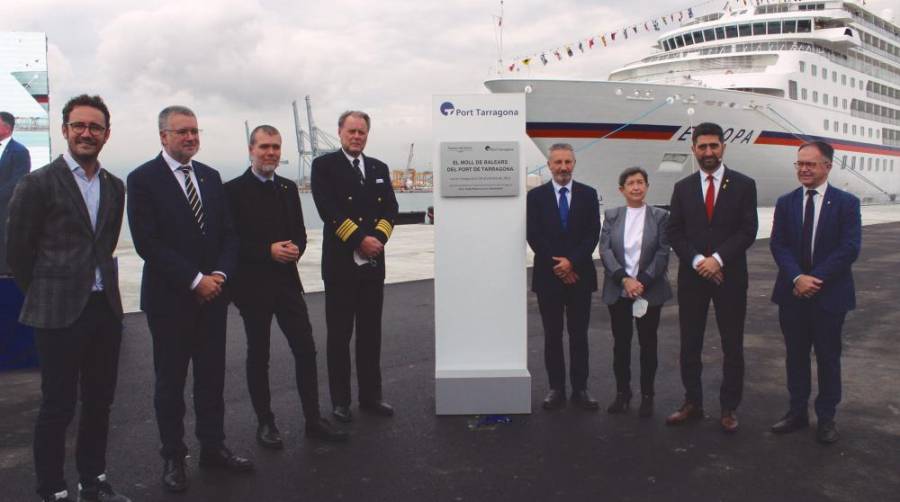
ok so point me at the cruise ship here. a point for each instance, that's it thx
(25, 90)
(773, 76)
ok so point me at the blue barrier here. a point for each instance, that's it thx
(16, 340)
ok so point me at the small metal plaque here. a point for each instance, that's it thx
(480, 169)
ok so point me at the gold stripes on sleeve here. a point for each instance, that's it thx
(346, 230)
(385, 227)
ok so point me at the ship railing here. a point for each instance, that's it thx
(874, 117)
(882, 97)
(872, 26)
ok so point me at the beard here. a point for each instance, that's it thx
(266, 169)
(709, 162)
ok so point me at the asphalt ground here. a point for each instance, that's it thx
(563, 455)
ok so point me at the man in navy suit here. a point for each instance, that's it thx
(816, 237)
(563, 229)
(15, 162)
(182, 228)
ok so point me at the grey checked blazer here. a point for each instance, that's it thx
(654, 261)
(52, 249)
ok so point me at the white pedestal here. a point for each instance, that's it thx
(479, 270)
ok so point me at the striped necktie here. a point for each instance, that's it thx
(193, 198)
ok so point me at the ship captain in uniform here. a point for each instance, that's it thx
(356, 202)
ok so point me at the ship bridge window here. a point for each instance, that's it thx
(814, 71)
(709, 34)
(804, 26)
(698, 37)
(792, 89)
(802, 66)
(720, 33)
(774, 27)
(824, 73)
(679, 41)
(744, 30)
(688, 40)
(731, 31)
(843, 79)
(790, 26)
(759, 28)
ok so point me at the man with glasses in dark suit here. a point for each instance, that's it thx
(64, 222)
(182, 228)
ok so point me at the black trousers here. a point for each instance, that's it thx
(575, 306)
(194, 335)
(805, 327)
(289, 309)
(85, 357)
(730, 302)
(621, 322)
(350, 304)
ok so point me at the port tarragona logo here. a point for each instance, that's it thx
(447, 108)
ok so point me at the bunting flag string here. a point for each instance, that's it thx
(607, 38)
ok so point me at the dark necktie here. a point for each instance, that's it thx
(710, 197)
(809, 214)
(193, 198)
(359, 173)
(564, 207)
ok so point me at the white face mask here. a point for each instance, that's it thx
(639, 307)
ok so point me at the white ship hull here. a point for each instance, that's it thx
(656, 122)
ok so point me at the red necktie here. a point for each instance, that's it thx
(710, 197)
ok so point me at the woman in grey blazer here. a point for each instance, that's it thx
(635, 255)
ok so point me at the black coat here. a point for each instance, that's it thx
(730, 233)
(260, 222)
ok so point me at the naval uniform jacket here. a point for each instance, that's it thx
(352, 208)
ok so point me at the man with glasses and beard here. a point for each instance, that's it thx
(64, 222)
(269, 223)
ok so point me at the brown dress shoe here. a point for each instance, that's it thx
(729, 421)
(688, 411)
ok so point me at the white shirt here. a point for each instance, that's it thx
(717, 175)
(817, 209)
(90, 192)
(260, 177)
(362, 163)
(3, 143)
(634, 238)
(174, 165)
(557, 186)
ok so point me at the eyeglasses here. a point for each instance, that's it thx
(808, 165)
(79, 128)
(186, 131)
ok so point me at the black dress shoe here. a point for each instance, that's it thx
(826, 432)
(380, 408)
(324, 430)
(790, 423)
(584, 400)
(646, 408)
(99, 490)
(555, 400)
(222, 458)
(174, 477)
(342, 414)
(620, 403)
(268, 436)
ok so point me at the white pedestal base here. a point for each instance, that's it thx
(482, 392)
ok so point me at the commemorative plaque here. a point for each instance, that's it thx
(480, 169)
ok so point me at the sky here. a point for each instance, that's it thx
(237, 60)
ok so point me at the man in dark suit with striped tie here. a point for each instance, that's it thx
(182, 228)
